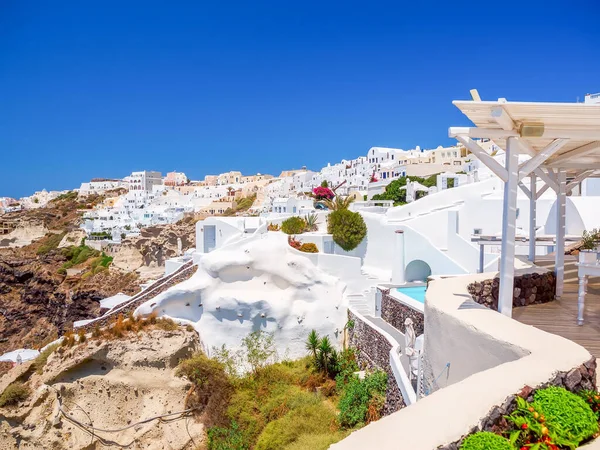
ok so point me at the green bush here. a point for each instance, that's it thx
(309, 247)
(42, 358)
(566, 413)
(51, 242)
(231, 438)
(484, 440)
(14, 393)
(357, 395)
(347, 227)
(317, 441)
(213, 388)
(293, 225)
(306, 420)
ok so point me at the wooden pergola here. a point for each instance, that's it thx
(563, 141)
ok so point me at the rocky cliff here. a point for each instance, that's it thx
(107, 384)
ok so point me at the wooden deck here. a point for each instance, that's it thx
(560, 316)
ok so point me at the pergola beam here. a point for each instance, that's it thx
(549, 133)
(502, 118)
(578, 179)
(483, 156)
(579, 151)
(547, 178)
(541, 157)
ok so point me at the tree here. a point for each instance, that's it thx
(260, 349)
(347, 228)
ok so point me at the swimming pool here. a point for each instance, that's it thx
(415, 292)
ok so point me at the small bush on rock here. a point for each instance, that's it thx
(484, 440)
(42, 358)
(566, 413)
(212, 387)
(309, 247)
(293, 225)
(13, 394)
(348, 228)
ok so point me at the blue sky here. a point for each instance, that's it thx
(99, 89)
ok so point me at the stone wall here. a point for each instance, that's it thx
(395, 313)
(582, 377)
(182, 274)
(373, 351)
(530, 288)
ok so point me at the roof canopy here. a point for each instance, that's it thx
(561, 135)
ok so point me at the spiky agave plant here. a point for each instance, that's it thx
(338, 202)
(311, 222)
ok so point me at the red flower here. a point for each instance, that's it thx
(524, 426)
(321, 193)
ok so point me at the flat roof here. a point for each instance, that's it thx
(578, 123)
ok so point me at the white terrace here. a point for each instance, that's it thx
(563, 140)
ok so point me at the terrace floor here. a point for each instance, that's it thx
(560, 316)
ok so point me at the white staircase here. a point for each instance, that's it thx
(362, 303)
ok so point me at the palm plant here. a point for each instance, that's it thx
(338, 202)
(312, 344)
(324, 354)
(311, 222)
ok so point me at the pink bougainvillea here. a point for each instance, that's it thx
(321, 193)
(373, 179)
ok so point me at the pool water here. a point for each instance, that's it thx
(415, 292)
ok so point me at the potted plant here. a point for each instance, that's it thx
(587, 252)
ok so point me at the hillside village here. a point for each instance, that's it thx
(294, 312)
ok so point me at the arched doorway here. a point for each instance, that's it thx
(417, 270)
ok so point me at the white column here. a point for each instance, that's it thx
(532, 216)
(509, 219)
(398, 268)
(561, 207)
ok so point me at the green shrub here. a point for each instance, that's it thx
(317, 441)
(293, 225)
(14, 393)
(306, 420)
(260, 349)
(592, 398)
(348, 228)
(39, 362)
(566, 413)
(231, 438)
(213, 388)
(484, 440)
(51, 242)
(309, 247)
(358, 395)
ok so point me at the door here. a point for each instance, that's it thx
(210, 238)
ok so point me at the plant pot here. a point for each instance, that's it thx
(588, 257)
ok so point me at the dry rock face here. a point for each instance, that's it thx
(110, 385)
(373, 352)
(529, 289)
(578, 378)
(395, 313)
(37, 303)
(154, 246)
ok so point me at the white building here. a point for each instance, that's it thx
(99, 186)
(144, 180)
(592, 99)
